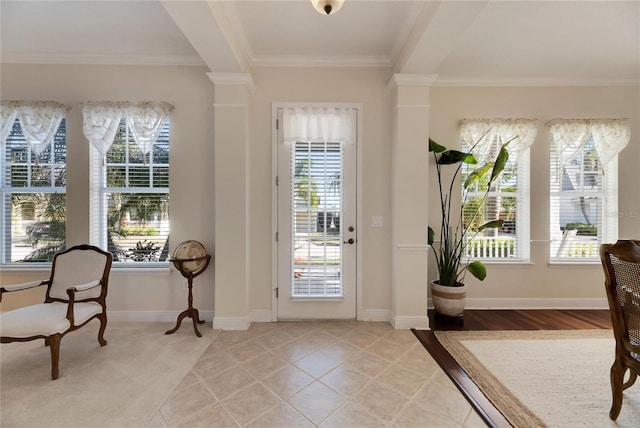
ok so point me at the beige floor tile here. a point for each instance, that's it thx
(188, 380)
(287, 381)
(228, 382)
(382, 401)
(281, 416)
(346, 381)
(401, 380)
(443, 399)
(339, 329)
(415, 417)
(157, 422)
(273, 339)
(401, 337)
(387, 350)
(232, 338)
(474, 420)
(341, 351)
(377, 328)
(367, 363)
(352, 415)
(317, 364)
(212, 416)
(213, 364)
(316, 402)
(360, 338)
(295, 350)
(418, 360)
(247, 404)
(245, 351)
(186, 402)
(264, 364)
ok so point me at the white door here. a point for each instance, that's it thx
(316, 214)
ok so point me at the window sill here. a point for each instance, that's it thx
(26, 269)
(503, 264)
(129, 269)
(571, 264)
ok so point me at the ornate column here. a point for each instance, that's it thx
(231, 141)
(409, 189)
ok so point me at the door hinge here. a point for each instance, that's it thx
(277, 124)
(277, 181)
(276, 236)
(277, 292)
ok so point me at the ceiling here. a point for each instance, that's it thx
(576, 42)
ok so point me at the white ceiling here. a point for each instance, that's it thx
(472, 41)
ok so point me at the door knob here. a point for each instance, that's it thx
(349, 241)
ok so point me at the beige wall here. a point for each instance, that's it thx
(191, 211)
(366, 86)
(192, 214)
(538, 284)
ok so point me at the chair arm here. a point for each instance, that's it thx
(71, 291)
(84, 287)
(24, 286)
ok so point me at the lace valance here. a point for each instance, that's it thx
(145, 121)
(39, 121)
(488, 135)
(570, 136)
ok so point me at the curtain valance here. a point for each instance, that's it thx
(325, 124)
(145, 121)
(570, 136)
(487, 135)
(39, 121)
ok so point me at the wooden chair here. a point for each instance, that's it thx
(76, 294)
(621, 263)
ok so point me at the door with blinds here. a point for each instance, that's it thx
(316, 213)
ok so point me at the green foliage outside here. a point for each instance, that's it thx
(583, 228)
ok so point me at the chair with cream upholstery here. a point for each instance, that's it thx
(76, 294)
(621, 262)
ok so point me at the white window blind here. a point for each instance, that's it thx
(130, 197)
(583, 186)
(32, 194)
(508, 198)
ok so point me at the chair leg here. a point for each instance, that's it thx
(632, 379)
(103, 325)
(54, 345)
(617, 378)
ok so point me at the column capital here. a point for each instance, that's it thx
(232, 79)
(408, 79)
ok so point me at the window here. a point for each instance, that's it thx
(583, 187)
(508, 197)
(32, 182)
(130, 194)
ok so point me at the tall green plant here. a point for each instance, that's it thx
(454, 232)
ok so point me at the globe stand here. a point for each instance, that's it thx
(190, 312)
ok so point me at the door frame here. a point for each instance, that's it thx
(274, 198)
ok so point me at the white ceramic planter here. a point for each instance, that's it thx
(448, 301)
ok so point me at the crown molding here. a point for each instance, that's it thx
(412, 79)
(534, 81)
(91, 59)
(232, 79)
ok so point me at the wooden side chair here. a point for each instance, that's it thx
(76, 294)
(621, 263)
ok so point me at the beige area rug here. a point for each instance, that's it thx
(545, 378)
(120, 385)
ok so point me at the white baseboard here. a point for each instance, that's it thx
(375, 315)
(405, 323)
(153, 316)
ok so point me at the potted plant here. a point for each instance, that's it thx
(457, 229)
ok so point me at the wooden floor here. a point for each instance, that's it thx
(502, 320)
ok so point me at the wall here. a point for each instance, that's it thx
(367, 86)
(157, 294)
(538, 284)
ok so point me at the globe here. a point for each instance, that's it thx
(190, 250)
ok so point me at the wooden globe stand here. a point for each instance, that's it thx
(190, 312)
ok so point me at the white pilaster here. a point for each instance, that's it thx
(409, 189)
(231, 141)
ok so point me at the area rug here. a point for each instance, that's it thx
(120, 385)
(544, 378)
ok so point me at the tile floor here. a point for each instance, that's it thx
(324, 374)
